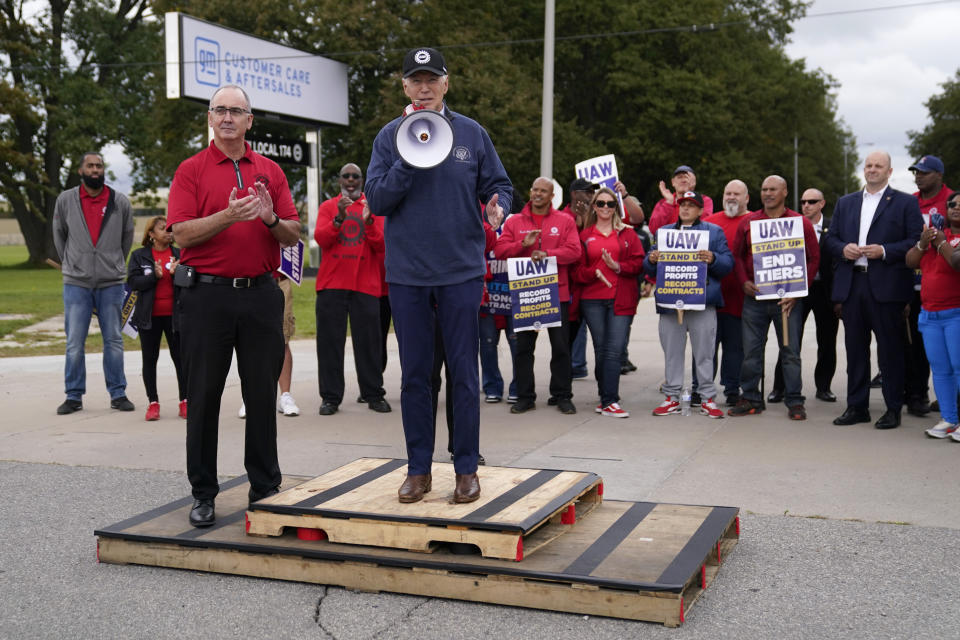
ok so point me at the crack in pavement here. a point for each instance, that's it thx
(316, 613)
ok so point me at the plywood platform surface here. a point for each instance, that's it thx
(638, 560)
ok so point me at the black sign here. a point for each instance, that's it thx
(282, 151)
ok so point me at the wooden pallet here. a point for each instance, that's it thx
(519, 510)
(639, 561)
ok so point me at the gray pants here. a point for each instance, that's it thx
(702, 327)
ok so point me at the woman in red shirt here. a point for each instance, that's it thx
(611, 261)
(150, 274)
(940, 312)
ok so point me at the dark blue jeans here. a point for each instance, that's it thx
(490, 376)
(609, 333)
(756, 319)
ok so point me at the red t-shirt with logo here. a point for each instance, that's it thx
(941, 283)
(936, 204)
(351, 255)
(594, 243)
(201, 187)
(94, 207)
(163, 293)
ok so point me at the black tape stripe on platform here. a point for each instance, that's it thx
(195, 532)
(167, 508)
(609, 540)
(511, 496)
(351, 484)
(698, 547)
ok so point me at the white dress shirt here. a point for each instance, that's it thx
(867, 210)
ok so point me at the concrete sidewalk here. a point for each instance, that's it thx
(851, 575)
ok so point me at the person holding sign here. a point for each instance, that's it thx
(772, 283)
(612, 259)
(688, 249)
(435, 245)
(539, 231)
(940, 315)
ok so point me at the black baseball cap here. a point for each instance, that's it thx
(683, 169)
(582, 184)
(691, 196)
(424, 59)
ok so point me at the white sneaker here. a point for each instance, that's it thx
(287, 406)
(242, 414)
(942, 429)
(613, 410)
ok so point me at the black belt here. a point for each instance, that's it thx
(236, 283)
(859, 268)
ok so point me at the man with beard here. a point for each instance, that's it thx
(93, 232)
(729, 329)
(348, 285)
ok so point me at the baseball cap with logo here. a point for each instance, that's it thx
(928, 164)
(691, 196)
(424, 59)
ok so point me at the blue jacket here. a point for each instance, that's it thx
(722, 263)
(434, 228)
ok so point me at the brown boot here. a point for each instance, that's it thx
(467, 489)
(414, 487)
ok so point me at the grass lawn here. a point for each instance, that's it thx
(38, 292)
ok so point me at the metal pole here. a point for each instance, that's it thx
(546, 127)
(313, 193)
(796, 173)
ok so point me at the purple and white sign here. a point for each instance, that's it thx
(779, 258)
(291, 262)
(534, 293)
(498, 290)
(681, 274)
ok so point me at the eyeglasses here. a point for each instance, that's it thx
(606, 203)
(347, 176)
(954, 204)
(236, 112)
(809, 201)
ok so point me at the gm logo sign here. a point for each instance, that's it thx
(207, 56)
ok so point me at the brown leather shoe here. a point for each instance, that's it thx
(414, 487)
(467, 489)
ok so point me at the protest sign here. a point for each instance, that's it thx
(601, 170)
(498, 290)
(779, 258)
(130, 297)
(681, 275)
(534, 293)
(291, 262)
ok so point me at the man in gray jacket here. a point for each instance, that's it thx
(93, 231)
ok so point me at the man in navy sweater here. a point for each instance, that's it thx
(435, 261)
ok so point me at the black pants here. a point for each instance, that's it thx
(150, 347)
(214, 320)
(333, 307)
(560, 375)
(385, 318)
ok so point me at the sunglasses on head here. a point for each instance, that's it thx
(606, 203)
(809, 201)
(355, 176)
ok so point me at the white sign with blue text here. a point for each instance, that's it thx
(601, 170)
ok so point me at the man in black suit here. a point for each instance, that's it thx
(870, 233)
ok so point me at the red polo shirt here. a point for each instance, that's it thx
(201, 187)
(94, 207)
(729, 285)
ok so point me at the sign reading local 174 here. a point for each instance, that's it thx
(202, 56)
(534, 293)
(681, 274)
(779, 258)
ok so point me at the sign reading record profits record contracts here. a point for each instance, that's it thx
(202, 56)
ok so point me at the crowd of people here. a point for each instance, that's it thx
(206, 278)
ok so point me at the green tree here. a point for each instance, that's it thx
(941, 137)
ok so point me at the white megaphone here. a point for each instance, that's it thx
(424, 137)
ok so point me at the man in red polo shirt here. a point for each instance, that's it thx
(230, 211)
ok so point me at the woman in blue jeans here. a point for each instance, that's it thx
(611, 261)
(937, 256)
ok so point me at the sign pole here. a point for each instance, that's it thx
(313, 192)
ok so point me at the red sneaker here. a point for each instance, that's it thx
(710, 409)
(153, 412)
(183, 409)
(670, 405)
(614, 410)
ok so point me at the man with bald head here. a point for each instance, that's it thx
(729, 328)
(350, 238)
(869, 236)
(539, 231)
(758, 314)
(818, 301)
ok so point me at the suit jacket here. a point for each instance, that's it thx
(896, 226)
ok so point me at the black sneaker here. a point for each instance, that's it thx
(328, 409)
(695, 400)
(745, 408)
(69, 406)
(566, 407)
(122, 404)
(380, 406)
(522, 406)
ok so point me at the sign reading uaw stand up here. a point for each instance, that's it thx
(534, 293)
(681, 274)
(299, 86)
(779, 258)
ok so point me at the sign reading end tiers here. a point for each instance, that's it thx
(294, 84)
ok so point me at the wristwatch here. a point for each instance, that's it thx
(276, 221)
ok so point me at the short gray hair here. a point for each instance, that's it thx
(231, 86)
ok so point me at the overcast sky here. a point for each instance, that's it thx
(887, 62)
